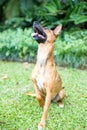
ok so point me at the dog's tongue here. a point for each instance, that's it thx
(40, 35)
(34, 34)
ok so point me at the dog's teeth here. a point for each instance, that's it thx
(34, 34)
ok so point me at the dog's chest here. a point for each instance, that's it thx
(42, 60)
(40, 83)
(40, 79)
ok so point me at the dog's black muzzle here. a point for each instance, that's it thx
(39, 35)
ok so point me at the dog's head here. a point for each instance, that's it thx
(45, 35)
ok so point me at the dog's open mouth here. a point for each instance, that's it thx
(39, 35)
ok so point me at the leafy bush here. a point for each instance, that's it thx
(72, 50)
(17, 45)
(70, 47)
(21, 13)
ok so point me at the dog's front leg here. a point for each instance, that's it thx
(39, 96)
(46, 107)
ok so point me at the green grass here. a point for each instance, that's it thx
(21, 112)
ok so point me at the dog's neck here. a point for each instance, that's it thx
(45, 54)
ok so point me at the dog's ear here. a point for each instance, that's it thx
(57, 30)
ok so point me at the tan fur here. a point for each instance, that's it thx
(47, 82)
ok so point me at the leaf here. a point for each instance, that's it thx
(8, 53)
(78, 18)
(31, 94)
(52, 9)
(25, 48)
(81, 19)
(5, 77)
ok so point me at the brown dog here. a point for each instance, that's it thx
(47, 82)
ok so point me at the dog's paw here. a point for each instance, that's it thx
(61, 104)
(40, 127)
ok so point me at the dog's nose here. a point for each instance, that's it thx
(35, 23)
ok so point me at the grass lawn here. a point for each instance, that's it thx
(21, 112)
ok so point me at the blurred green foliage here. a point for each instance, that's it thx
(18, 45)
(70, 47)
(71, 50)
(15, 13)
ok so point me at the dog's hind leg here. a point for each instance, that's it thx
(59, 97)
